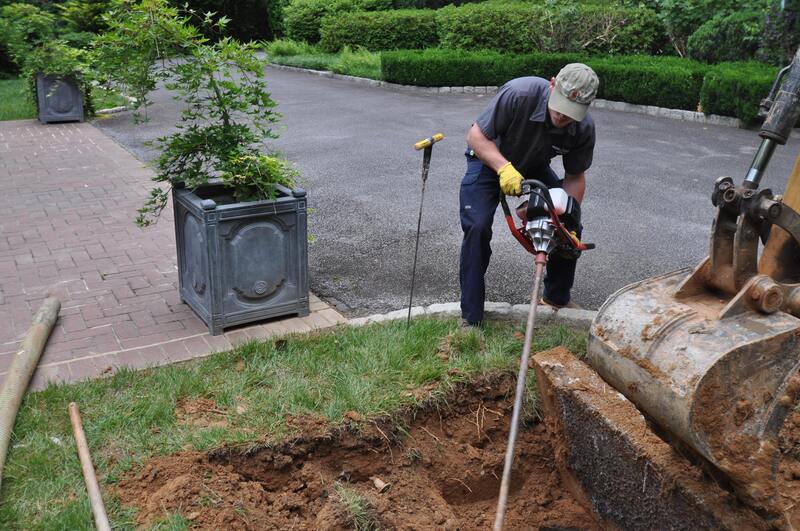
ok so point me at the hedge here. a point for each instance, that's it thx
(379, 30)
(302, 19)
(566, 27)
(728, 89)
(736, 89)
(500, 26)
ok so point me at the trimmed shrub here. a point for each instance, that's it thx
(728, 38)
(673, 83)
(736, 89)
(381, 30)
(664, 82)
(302, 19)
(563, 27)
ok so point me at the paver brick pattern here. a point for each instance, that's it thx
(71, 196)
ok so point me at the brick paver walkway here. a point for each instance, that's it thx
(70, 198)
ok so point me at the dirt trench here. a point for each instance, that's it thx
(443, 472)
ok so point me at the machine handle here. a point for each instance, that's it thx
(422, 144)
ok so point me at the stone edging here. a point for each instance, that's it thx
(650, 110)
(493, 311)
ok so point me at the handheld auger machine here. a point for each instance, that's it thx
(547, 226)
(712, 355)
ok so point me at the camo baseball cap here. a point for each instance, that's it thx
(575, 88)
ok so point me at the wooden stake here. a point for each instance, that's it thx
(96, 500)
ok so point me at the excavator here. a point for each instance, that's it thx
(712, 355)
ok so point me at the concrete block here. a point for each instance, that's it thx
(574, 317)
(610, 458)
(403, 313)
(358, 321)
(444, 90)
(544, 313)
(450, 309)
(497, 310)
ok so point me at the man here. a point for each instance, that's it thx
(528, 122)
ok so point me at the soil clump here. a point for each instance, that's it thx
(442, 464)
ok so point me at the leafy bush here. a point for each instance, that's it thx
(138, 36)
(736, 89)
(553, 27)
(360, 63)
(23, 27)
(84, 15)
(303, 18)
(288, 47)
(734, 37)
(382, 30)
(781, 32)
(682, 18)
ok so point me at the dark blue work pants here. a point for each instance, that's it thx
(479, 197)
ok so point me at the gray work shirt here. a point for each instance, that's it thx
(518, 122)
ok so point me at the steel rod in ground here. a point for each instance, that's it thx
(95, 498)
(426, 160)
(502, 500)
(22, 368)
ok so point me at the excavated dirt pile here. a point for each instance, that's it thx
(443, 472)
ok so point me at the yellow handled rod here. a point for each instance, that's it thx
(422, 144)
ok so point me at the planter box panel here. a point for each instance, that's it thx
(58, 99)
(257, 257)
(194, 272)
(242, 262)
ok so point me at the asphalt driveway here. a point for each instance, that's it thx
(647, 205)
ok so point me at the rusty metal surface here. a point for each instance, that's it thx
(608, 456)
(724, 386)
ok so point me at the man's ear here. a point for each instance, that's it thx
(552, 82)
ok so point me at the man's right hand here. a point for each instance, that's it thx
(510, 179)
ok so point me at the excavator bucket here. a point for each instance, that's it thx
(722, 385)
(712, 355)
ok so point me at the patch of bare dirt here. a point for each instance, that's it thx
(443, 472)
(200, 413)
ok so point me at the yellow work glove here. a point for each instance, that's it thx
(510, 179)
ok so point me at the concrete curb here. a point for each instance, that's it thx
(493, 311)
(649, 110)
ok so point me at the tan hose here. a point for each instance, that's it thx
(22, 368)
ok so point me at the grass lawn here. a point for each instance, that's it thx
(131, 416)
(15, 104)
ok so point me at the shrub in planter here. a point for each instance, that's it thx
(735, 37)
(59, 79)
(380, 30)
(140, 39)
(240, 230)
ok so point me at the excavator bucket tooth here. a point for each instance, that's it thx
(722, 386)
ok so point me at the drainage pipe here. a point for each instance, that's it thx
(22, 368)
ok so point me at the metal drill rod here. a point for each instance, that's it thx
(426, 163)
(502, 500)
